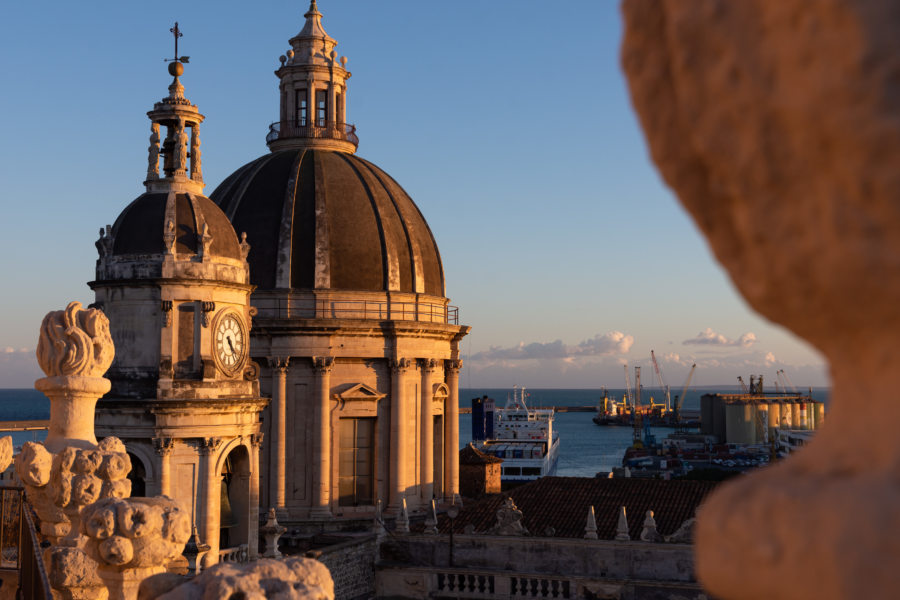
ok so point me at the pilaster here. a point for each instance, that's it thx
(163, 447)
(279, 365)
(210, 498)
(256, 441)
(321, 507)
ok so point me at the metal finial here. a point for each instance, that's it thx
(176, 33)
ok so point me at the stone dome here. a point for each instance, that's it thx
(324, 219)
(139, 229)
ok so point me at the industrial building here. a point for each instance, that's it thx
(752, 418)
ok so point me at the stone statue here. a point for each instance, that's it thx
(181, 151)
(104, 243)
(509, 520)
(153, 159)
(775, 123)
(196, 153)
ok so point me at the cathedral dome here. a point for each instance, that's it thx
(324, 219)
(141, 228)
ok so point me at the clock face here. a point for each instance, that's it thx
(231, 342)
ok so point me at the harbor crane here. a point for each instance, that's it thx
(679, 400)
(662, 383)
(744, 389)
(628, 396)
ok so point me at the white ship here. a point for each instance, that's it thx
(524, 438)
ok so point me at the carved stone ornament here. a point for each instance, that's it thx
(181, 149)
(323, 364)
(207, 307)
(59, 485)
(272, 531)
(251, 371)
(196, 153)
(210, 444)
(649, 532)
(509, 520)
(134, 538)
(75, 342)
(256, 439)
(293, 577)
(75, 348)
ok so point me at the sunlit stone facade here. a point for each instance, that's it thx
(357, 343)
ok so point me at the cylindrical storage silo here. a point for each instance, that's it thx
(774, 417)
(706, 414)
(820, 414)
(804, 423)
(762, 423)
(795, 415)
(786, 422)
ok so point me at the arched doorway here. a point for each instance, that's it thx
(235, 499)
(138, 477)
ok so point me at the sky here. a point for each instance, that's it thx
(508, 122)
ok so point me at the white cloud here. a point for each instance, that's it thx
(708, 337)
(608, 344)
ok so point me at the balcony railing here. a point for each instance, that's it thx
(291, 129)
(305, 308)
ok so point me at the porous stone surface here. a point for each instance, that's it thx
(75, 342)
(776, 124)
(294, 578)
(73, 575)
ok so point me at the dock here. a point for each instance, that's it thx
(465, 410)
(24, 425)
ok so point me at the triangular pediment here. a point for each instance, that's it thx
(359, 392)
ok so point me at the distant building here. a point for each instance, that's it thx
(753, 418)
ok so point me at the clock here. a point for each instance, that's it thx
(230, 342)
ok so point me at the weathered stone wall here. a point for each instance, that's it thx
(417, 566)
(352, 566)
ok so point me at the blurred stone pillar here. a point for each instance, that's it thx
(399, 440)
(164, 447)
(210, 498)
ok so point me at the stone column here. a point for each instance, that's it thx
(164, 447)
(278, 431)
(321, 505)
(399, 444)
(210, 498)
(426, 479)
(256, 441)
(451, 429)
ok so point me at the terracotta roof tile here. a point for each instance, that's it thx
(562, 503)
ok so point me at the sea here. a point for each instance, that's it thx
(585, 448)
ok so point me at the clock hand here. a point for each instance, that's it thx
(230, 345)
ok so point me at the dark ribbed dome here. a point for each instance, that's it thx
(140, 227)
(329, 220)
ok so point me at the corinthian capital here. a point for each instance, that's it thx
(323, 364)
(453, 365)
(400, 365)
(279, 363)
(429, 364)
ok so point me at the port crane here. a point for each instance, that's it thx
(662, 383)
(679, 400)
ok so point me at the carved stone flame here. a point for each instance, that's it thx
(75, 342)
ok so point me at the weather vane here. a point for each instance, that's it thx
(176, 32)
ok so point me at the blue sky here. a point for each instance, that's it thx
(507, 121)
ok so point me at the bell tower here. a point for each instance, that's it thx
(173, 279)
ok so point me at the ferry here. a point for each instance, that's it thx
(523, 437)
